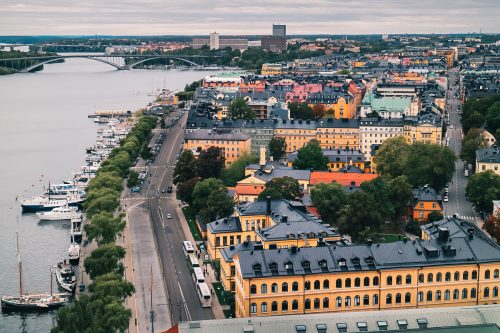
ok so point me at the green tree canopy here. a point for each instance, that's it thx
(379, 190)
(311, 157)
(329, 199)
(400, 195)
(111, 285)
(210, 163)
(104, 203)
(133, 179)
(493, 117)
(236, 171)
(108, 180)
(277, 148)
(470, 143)
(239, 109)
(104, 227)
(435, 216)
(105, 259)
(301, 111)
(202, 191)
(482, 188)
(281, 188)
(391, 157)
(219, 205)
(185, 189)
(185, 168)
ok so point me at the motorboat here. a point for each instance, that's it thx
(74, 251)
(42, 203)
(59, 213)
(77, 227)
(65, 276)
(27, 302)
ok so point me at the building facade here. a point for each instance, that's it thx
(488, 159)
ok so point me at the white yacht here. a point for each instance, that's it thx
(77, 227)
(42, 202)
(73, 251)
(65, 276)
(59, 213)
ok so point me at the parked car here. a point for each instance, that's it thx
(163, 190)
(169, 190)
(169, 216)
(445, 199)
(135, 189)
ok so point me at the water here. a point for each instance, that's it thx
(43, 132)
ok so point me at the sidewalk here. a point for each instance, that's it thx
(216, 307)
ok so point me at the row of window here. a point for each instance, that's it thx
(348, 283)
(347, 301)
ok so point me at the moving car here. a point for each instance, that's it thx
(169, 216)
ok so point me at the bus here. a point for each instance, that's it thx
(198, 276)
(193, 260)
(188, 248)
(204, 295)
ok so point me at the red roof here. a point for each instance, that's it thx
(249, 189)
(343, 178)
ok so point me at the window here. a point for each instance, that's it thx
(430, 277)
(338, 283)
(495, 291)
(347, 301)
(486, 292)
(422, 323)
(408, 279)
(348, 283)
(402, 324)
(429, 296)
(342, 327)
(439, 277)
(317, 285)
(447, 295)
(382, 325)
(388, 299)
(338, 302)
(456, 276)
(496, 274)
(326, 303)
(316, 303)
(307, 285)
(326, 284)
(263, 289)
(408, 298)
(253, 308)
(420, 296)
(375, 299)
(473, 293)
(464, 293)
(438, 295)
(357, 300)
(389, 280)
(420, 278)
(487, 274)
(366, 281)
(284, 287)
(307, 304)
(366, 300)
(253, 289)
(375, 281)
(295, 305)
(447, 277)
(274, 306)
(263, 307)
(321, 328)
(300, 328)
(455, 294)
(295, 286)
(284, 306)
(362, 326)
(398, 298)
(465, 275)
(274, 288)
(357, 282)
(474, 275)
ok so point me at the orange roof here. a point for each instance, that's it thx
(249, 189)
(343, 178)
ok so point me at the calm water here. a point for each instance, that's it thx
(43, 132)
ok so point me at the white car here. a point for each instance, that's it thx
(169, 216)
(445, 199)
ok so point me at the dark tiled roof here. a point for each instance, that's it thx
(426, 193)
(488, 155)
(227, 224)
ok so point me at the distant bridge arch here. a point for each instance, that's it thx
(30, 68)
(132, 65)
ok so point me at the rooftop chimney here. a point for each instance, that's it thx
(268, 205)
(443, 234)
(262, 159)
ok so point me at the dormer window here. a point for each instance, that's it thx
(355, 261)
(289, 265)
(306, 264)
(273, 267)
(257, 268)
(323, 263)
(369, 260)
(342, 262)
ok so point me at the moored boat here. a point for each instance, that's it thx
(65, 276)
(59, 213)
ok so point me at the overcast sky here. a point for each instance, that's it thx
(175, 17)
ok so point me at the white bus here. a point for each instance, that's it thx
(204, 295)
(198, 276)
(193, 260)
(188, 248)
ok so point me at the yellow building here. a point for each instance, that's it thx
(426, 128)
(458, 270)
(338, 133)
(233, 145)
(297, 133)
(488, 159)
(272, 69)
(339, 159)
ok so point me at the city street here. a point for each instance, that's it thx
(457, 203)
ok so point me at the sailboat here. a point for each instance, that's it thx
(74, 250)
(33, 301)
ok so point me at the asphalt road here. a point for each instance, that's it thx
(457, 203)
(182, 301)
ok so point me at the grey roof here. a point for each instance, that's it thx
(268, 166)
(470, 319)
(311, 228)
(488, 155)
(426, 193)
(242, 123)
(227, 224)
(338, 123)
(296, 124)
(282, 172)
(229, 252)
(215, 135)
(337, 155)
(392, 122)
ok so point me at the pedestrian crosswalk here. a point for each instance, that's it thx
(470, 218)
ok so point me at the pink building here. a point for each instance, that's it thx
(301, 92)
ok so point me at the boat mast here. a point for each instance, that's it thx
(51, 282)
(20, 267)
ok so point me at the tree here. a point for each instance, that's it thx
(239, 109)
(319, 111)
(236, 171)
(429, 164)
(361, 212)
(185, 190)
(202, 191)
(111, 285)
(470, 143)
(210, 163)
(162, 122)
(277, 148)
(133, 179)
(400, 195)
(379, 190)
(391, 157)
(108, 180)
(492, 226)
(104, 203)
(300, 111)
(482, 188)
(185, 168)
(329, 199)
(493, 117)
(435, 216)
(281, 188)
(219, 205)
(105, 259)
(311, 157)
(104, 227)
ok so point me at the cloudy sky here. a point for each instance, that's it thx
(174, 17)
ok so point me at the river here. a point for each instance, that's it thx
(44, 130)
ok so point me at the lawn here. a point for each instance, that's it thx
(191, 220)
(390, 238)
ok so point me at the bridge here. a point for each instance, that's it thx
(27, 64)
